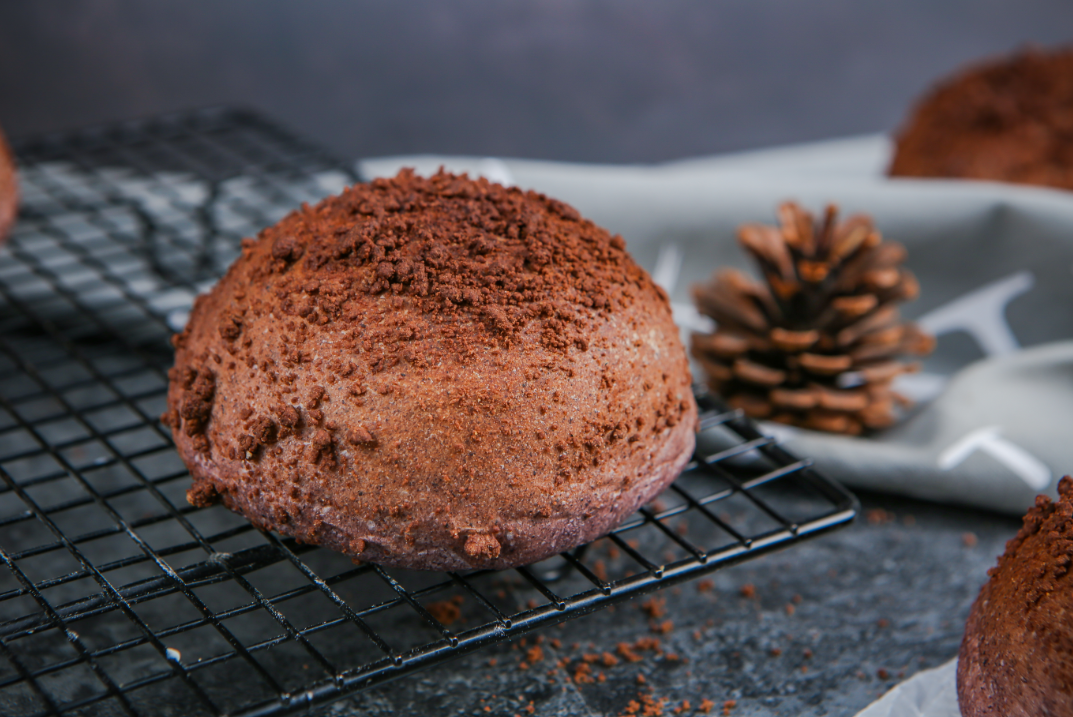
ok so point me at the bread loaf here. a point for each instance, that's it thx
(434, 373)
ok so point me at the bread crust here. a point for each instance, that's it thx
(9, 189)
(518, 390)
(1016, 658)
(1007, 120)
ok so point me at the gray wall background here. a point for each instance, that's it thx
(600, 80)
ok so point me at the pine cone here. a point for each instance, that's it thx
(817, 347)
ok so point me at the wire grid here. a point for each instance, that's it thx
(116, 596)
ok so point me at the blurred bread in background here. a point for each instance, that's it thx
(1009, 120)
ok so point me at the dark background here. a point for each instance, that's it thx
(602, 80)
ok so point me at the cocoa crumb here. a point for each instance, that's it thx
(662, 628)
(654, 607)
(446, 611)
(599, 569)
(583, 674)
(748, 590)
(626, 652)
(878, 516)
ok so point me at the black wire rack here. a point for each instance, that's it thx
(117, 597)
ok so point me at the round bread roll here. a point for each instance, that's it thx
(1016, 659)
(9, 189)
(437, 373)
(1009, 120)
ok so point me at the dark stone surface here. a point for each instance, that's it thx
(889, 593)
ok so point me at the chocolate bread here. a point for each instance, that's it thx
(9, 189)
(1016, 659)
(434, 373)
(1009, 120)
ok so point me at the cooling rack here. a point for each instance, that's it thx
(117, 597)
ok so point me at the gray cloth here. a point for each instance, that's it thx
(994, 262)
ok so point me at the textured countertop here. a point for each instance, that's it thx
(827, 627)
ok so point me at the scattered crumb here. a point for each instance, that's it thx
(599, 569)
(685, 706)
(556, 643)
(883, 622)
(583, 674)
(493, 662)
(729, 705)
(705, 706)
(662, 628)
(655, 607)
(807, 654)
(446, 611)
(748, 590)
(909, 520)
(705, 586)
(796, 599)
(790, 609)
(775, 651)
(640, 679)
(697, 636)
(878, 516)
(969, 539)
(534, 654)
(882, 674)
(531, 604)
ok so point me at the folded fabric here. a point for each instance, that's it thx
(929, 693)
(994, 262)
